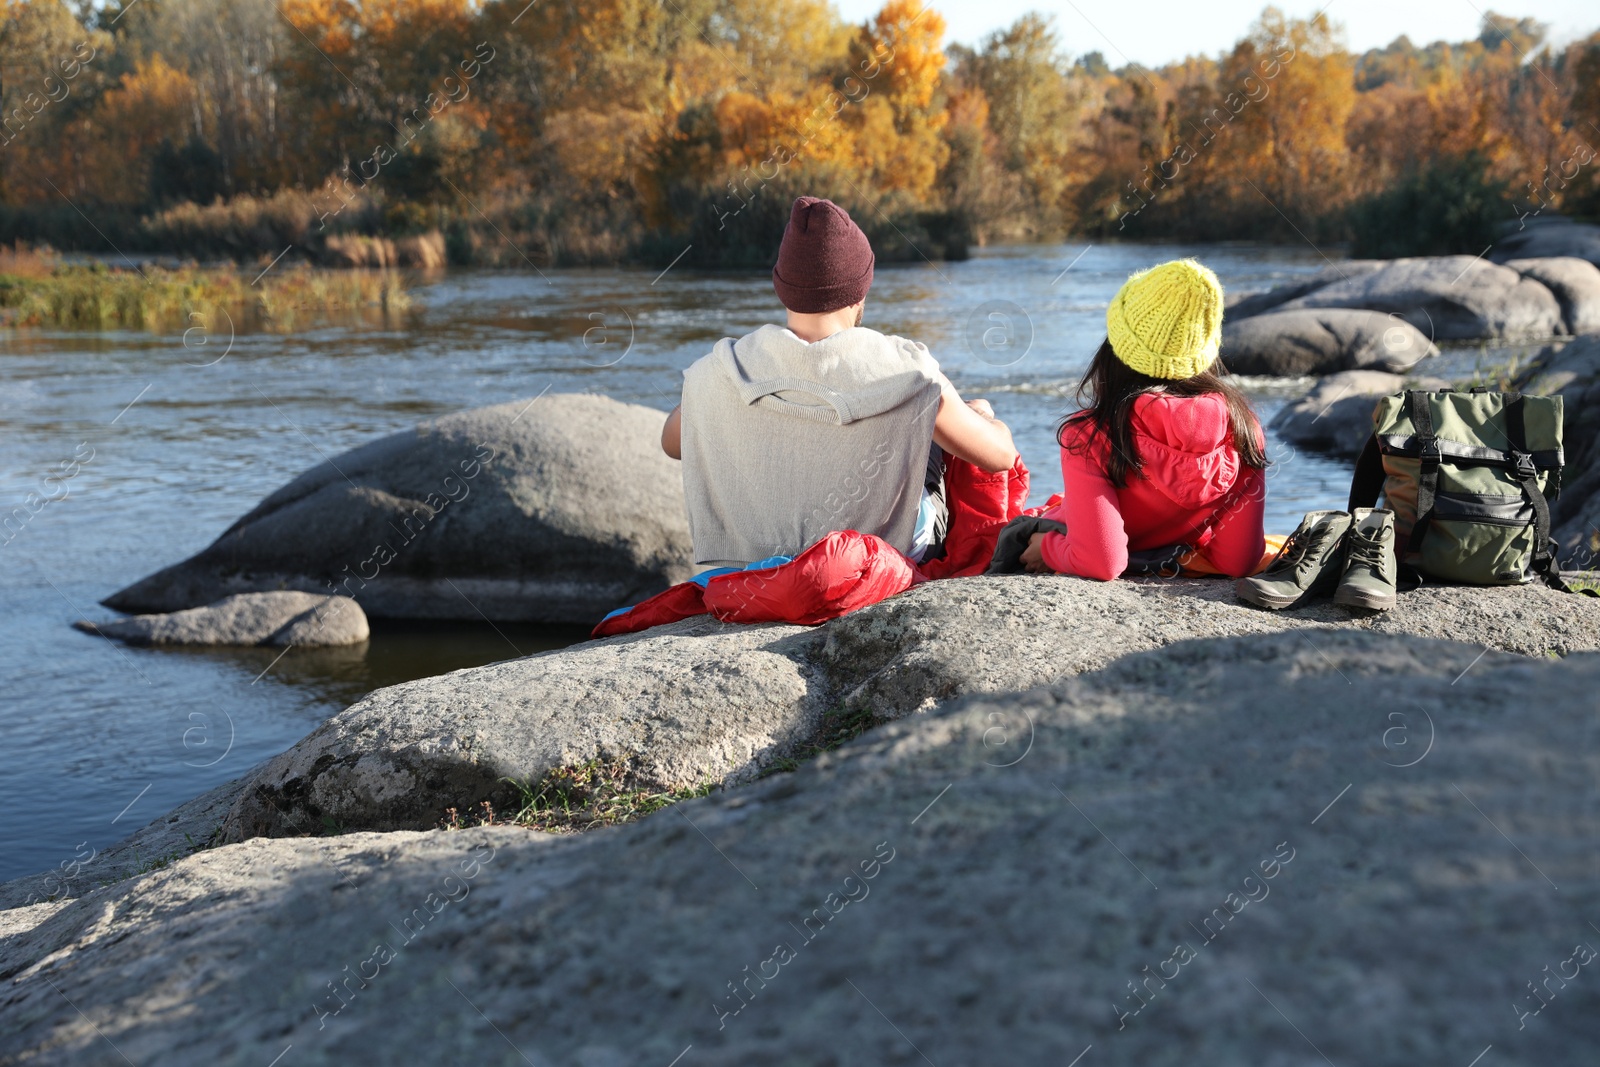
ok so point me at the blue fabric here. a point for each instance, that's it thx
(926, 531)
(701, 579)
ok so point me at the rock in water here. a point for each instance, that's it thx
(553, 510)
(1572, 371)
(1336, 416)
(1323, 341)
(701, 702)
(1550, 236)
(1299, 849)
(1448, 298)
(1242, 306)
(283, 619)
(1576, 285)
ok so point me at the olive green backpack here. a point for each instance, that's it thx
(1469, 477)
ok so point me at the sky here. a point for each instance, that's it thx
(1154, 32)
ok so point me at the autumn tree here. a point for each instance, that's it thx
(1033, 105)
(1278, 118)
(898, 58)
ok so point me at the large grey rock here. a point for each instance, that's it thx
(1572, 371)
(1448, 298)
(283, 620)
(1309, 848)
(1242, 306)
(702, 702)
(557, 509)
(1288, 344)
(1550, 236)
(1576, 285)
(1336, 416)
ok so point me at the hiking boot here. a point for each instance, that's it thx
(1310, 563)
(1369, 569)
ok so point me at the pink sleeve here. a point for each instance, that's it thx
(1238, 545)
(1096, 544)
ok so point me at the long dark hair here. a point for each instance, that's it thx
(1108, 391)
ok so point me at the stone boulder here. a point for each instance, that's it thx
(1576, 285)
(555, 510)
(701, 702)
(1303, 848)
(1336, 416)
(1288, 344)
(1243, 306)
(1448, 298)
(1572, 371)
(1548, 237)
(282, 620)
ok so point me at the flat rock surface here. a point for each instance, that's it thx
(556, 509)
(1336, 416)
(1448, 298)
(282, 619)
(1287, 344)
(1291, 849)
(703, 702)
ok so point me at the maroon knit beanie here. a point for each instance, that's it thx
(825, 262)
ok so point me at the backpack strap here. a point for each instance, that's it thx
(1365, 487)
(1544, 562)
(1428, 476)
(1368, 480)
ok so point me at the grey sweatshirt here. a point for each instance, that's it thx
(785, 442)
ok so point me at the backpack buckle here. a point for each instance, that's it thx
(1428, 449)
(1522, 463)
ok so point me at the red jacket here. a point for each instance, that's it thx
(1195, 491)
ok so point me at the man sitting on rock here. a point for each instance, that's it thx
(793, 432)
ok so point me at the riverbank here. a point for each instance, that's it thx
(37, 289)
(184, 443)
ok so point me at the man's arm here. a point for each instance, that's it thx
(672, 434)
(970, 431)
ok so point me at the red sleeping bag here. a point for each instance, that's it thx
(845, 570)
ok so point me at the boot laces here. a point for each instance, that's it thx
(1298, 547)
(1367, 547)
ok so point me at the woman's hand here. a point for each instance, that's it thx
(982, 407)
(1033, 556)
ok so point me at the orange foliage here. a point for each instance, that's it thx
(633, 108)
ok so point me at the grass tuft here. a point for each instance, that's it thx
(573, 799)
(839, 725)
(35, 290)
(584, 796)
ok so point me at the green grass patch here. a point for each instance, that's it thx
(217, 301)
(573, 799)
(838, 726)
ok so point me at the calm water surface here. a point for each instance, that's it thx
(97, 739)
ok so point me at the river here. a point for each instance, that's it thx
(174, 437)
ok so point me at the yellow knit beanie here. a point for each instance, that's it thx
(1166, 322)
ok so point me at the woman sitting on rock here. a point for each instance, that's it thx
(1165, 452)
